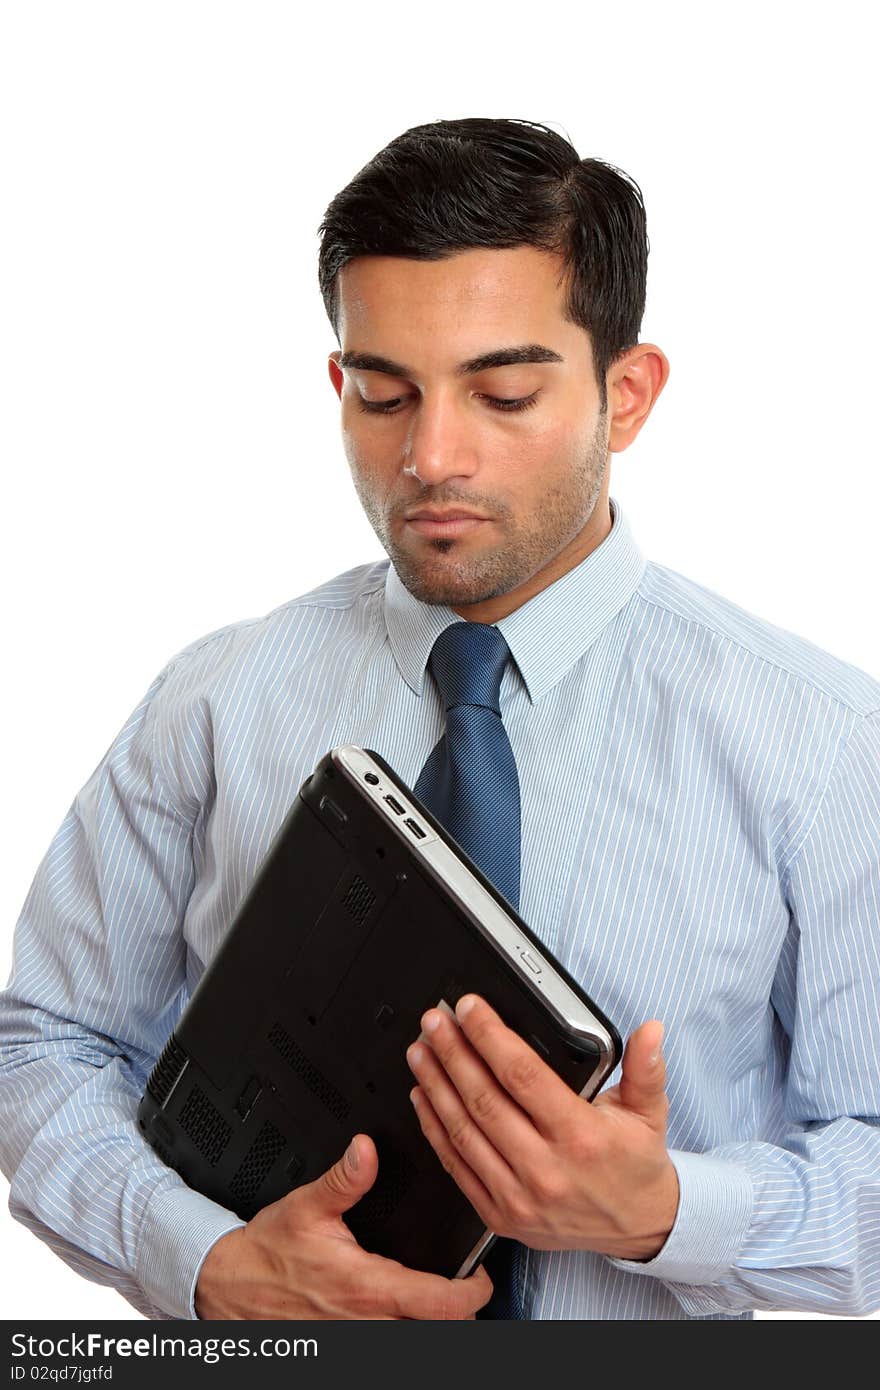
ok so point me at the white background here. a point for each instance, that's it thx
(169, 434)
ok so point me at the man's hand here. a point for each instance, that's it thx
(298, 1259)
(538, 1162)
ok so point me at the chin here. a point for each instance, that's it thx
(447, 590)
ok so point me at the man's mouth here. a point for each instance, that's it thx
(454, 522)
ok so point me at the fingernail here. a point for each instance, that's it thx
(431, 1022)
(464, 1005)
(351, 1156)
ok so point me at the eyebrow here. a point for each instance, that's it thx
(499, 357)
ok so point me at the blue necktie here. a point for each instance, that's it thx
(470, 783)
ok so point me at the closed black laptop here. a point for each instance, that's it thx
(363, 914)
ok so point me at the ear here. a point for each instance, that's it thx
(336, 374)
(635, 381)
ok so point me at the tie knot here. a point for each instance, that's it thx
(467, 662)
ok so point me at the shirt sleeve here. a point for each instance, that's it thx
(796, 1224)
(98, 982)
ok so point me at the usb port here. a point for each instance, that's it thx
(395, 805)
(415, 828)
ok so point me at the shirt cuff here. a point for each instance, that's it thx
(179, 1228)
(715, 1205)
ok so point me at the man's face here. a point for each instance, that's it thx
(531, 477)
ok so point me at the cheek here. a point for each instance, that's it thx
(353, 447)
(357, 450)
(373, 476)
(534, 457)
(536, 442)
(552, 477)
(370, 451)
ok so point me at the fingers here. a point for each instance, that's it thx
(489, 1064)
(412, 1294)
(375, 1287)
(543, 1095)
(482, 1123)
(456, 1165)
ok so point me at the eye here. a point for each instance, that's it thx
(496, 402)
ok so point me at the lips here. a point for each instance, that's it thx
(445, 523)
(453, 514)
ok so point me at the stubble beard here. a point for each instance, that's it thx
(459, 579)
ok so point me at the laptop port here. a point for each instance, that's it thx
(415, 828)
(395, 805)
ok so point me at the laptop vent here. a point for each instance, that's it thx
(308, 1073)
(205, 1125)
(172, 1060)
(358, 899)
(259, 1158)
(377, 1206)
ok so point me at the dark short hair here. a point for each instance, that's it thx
(449, 186)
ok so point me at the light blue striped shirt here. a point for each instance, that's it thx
(700, 844)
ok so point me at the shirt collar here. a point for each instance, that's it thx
(547, 634)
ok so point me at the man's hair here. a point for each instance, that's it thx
(449, 186)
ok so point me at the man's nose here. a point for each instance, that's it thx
(440, 443)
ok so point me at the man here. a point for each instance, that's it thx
(700, 817)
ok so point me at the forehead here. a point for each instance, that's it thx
(515, 292)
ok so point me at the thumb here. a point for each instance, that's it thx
(336, 1190)
(643, 1079)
